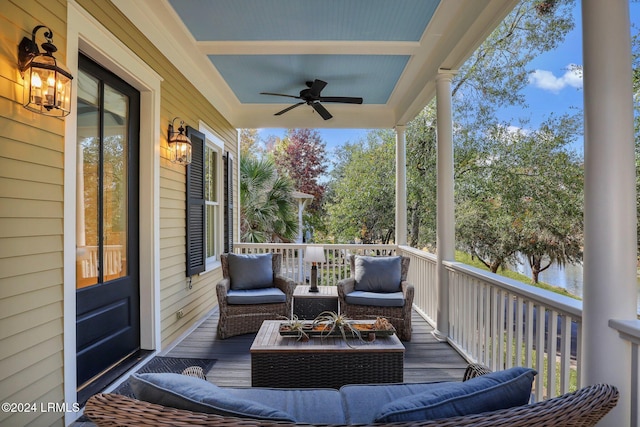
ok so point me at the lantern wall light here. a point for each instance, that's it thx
(47, 84)
(179, 144)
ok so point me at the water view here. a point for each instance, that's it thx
(568, 277)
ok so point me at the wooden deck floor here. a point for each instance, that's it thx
(426, 359)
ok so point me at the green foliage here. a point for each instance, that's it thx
(521, 192)
(496, 73)
(421, 178)
(267, 212)
(362, 203)
(301, 156)
(468, 259)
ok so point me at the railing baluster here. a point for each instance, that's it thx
(565, 354)
(519, 330)
(528, 352)
(540, 326)
(509, 326)
(552, 339)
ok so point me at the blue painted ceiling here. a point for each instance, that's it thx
(388, 52)
(372, 77)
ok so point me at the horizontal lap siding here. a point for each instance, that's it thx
(31, 227)
(179, 98)
(31, 210)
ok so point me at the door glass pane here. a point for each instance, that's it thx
(87, 181)
(114, 185)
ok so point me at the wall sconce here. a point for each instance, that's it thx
(314, 255)
(47, 88)
(179, 144)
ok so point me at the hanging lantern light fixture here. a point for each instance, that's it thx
(47, 84)
(179, 144)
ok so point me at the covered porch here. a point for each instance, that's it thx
(149, 44)
(488, 319)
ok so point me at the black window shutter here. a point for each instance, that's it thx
(228, 203)
(196, 250)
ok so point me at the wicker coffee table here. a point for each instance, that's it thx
(285, 362)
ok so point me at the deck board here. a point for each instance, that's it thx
(426, 359)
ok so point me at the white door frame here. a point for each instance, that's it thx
(86, 34)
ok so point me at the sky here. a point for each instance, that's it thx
(553, 87)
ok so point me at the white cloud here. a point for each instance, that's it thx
(545, 80)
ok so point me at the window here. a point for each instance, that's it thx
(204, 201)
(212, 205)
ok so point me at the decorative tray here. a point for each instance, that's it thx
(321, 330)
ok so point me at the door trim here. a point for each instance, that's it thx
(87, 34)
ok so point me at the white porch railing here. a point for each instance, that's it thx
(502, 323)
(422, 274)
(492, 319)
(629, 330)
(329, 273)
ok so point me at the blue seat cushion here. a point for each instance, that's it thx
(378, 274)
(313, 406)
(490, 392)
(194, 394)
(250, 271)
(394, 299)
(256, 296)
(361, 401)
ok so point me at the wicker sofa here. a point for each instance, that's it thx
(584, 407)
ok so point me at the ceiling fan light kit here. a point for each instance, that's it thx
(312, 96)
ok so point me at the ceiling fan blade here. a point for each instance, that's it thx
(317, 87)
(280, 94)
(342, 99)
(321, 110)
(279, 113)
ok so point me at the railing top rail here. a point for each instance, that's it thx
(325, 245)
(418, 252)
(550, 299)
(628, 329)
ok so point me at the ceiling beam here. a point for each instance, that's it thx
(296, 47)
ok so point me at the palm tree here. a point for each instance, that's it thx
(267, 212)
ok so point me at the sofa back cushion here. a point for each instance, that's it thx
(378, 274)
(490, 392)
(250, 271)
(194, 394)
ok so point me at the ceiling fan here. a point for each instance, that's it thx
(311, 96)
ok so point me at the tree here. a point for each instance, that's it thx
(249, 143)
(496, 72)
(523, 194)
(267, 212)
(301, 155)
(493, 76)
(421, 178)
(362, 205)
(635, 52)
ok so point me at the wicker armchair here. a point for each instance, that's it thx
(238, 319)
(583, 408)
(400, 317)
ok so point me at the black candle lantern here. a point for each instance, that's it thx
(47, 86)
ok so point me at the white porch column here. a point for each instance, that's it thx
(301, 205)
(401, 186)
(610, 198)
(445, 233)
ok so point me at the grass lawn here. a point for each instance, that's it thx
(468, 259)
